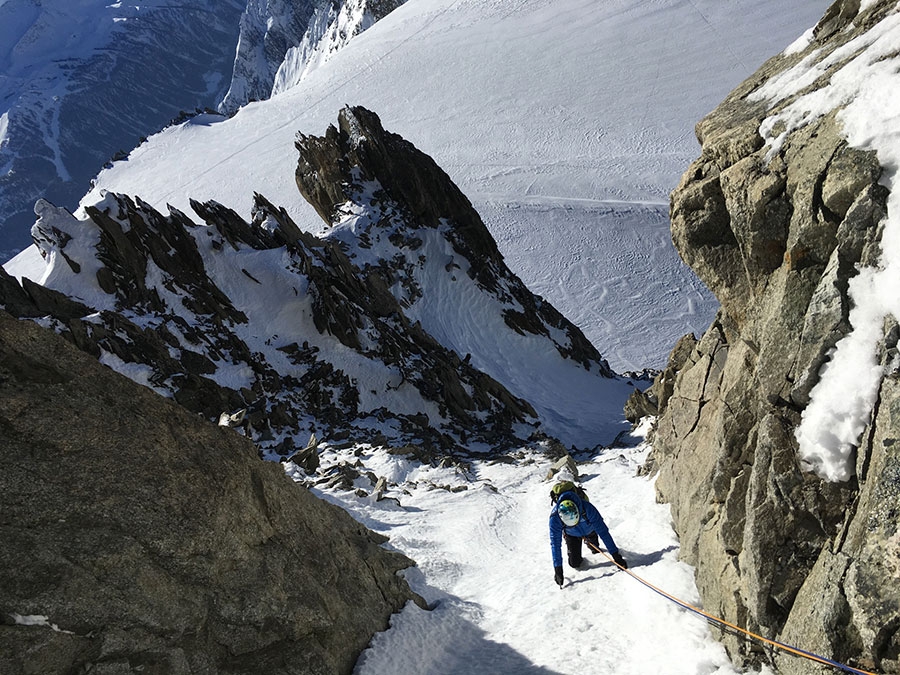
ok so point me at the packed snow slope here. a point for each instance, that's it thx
(479, 533)
(566, 123)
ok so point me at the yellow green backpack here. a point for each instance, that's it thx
(566, 486)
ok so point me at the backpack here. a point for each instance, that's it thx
(566, 486)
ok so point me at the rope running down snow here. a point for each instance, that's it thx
(725, 624)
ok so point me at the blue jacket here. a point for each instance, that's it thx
(590, 521)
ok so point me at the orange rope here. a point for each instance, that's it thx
(779, 645)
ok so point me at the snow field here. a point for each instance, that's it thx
(484, 564)
(578, 100)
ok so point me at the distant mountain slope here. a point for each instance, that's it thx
(282, 41)
(80, 81)
(269, 28)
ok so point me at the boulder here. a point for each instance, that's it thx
(137, 537)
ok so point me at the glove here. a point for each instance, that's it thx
(558, 576)
(620, 561)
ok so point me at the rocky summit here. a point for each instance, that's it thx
(137, 537)
(777, 232)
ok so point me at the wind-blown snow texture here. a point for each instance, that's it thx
(387, 320)
(574, 111)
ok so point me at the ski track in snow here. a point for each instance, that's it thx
(610, 267)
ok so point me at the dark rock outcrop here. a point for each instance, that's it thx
(777, 236)
(136, 537)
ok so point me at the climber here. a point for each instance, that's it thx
(574, 517)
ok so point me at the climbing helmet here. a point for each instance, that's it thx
(568, 512)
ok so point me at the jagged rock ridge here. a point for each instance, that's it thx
(777, 236)
(359, 176)
(309, 334)
(136, 537)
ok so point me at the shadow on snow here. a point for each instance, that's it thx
(441, 641)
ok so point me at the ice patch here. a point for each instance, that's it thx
(4, 129)
(37, 620)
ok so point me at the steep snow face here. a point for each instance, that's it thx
(269, 28)
(82, 80)
(282, 41)
(332, 26)
(577, 109)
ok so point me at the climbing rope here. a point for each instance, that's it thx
(721, 623)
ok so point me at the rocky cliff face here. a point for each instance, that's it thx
(136, 537)
(777, 232)
(333, 24)
(269, 28)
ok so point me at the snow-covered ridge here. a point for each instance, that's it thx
(402, 323)
(83, 82)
